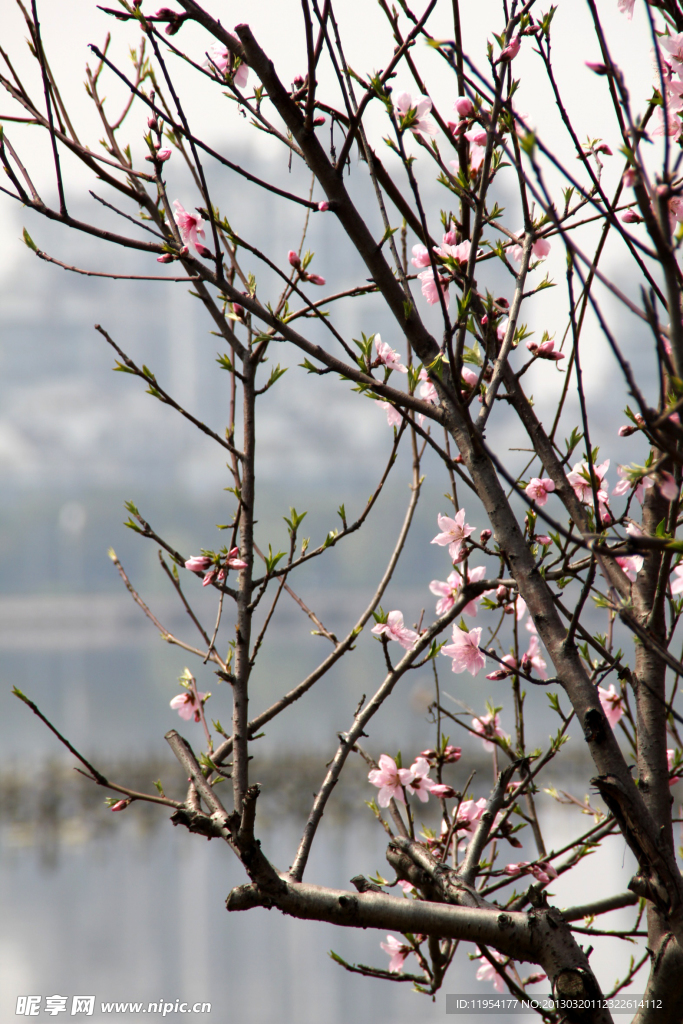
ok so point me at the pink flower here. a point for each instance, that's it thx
(611, 704)
(488, 973)
(394, 418)
(397, 951)
(427, 389)
(420, 124)
(198, 563)
(419, 782)
(672, 125)
(539, 249)
(512, 48)
(469, 377)
(454, 533)
(626, 7)
(539, 488)
(388, 780)
(234, 561)
(469, 814)
(220, 58)
(186, 706)
(407, 888)
(465, 651)
(477, 136)
(450, 589)
(463, 106)
(668, 488)
(387, 356)
(631, 566)
(420, 256)
(626, 484)
(579, 478)
(190, 225)
(533, 659)
(460, 253)
(393, 629)
(673, 43)
(430, 287)
(477, 154)
(670, 763)
(488, 726)
(451, 236)
(677, 585)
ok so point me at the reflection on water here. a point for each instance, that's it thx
(128, 908)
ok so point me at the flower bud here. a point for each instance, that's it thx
(315, 279)
(631, 217)
(164, 154)
(629, 177)
(198, 563)
(120, 805)
(237, 309)
(464, 106)
(323, 206)
(294, 259)
(298, 82)
(166, 258)
(152, 123)
(502, 593)
(203, 251)
(318, 120)
(485, 537)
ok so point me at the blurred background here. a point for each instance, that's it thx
(124, 906)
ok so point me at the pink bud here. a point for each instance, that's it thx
(452, 754)
(198, 563)
(323, 206)
(184, 251)
(464, 106)
(209, 578)
(668, 487)
(293, 259)
(484, 320)
(485, 536)
(542, 538)
(502, 593)
(298, 82)
(629, 178)
(120, 805)
(152, 123)
(237, 309)
(443, 792)
(626, 430)
(203, 251)
(599, 69)
(166, 258)
(318, 120)
(164, 154)
(631, 217)
(315, 279)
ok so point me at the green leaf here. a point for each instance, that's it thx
(29, 241)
